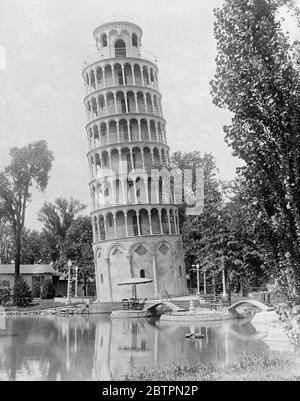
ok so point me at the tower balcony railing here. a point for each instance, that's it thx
(143, 54)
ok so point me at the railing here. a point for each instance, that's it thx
(143, 54)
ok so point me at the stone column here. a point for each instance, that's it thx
(129, 132)
(149, 130)
(152, 156)
(106, 108)
(160, 222)
(98, 229)
(136, 102)
(169, 221)
(138, 223)
(132, 72)
(118, 131)
(140, 131)
(177, 220)
(115, 102)
(115, 224)
(131, 159)
(142, 76)
(155, 279)
(143, 159)
(109, 279)
(94, 230)
(150, 222)
(98, 106)
(123, 74)
(126, 223)
(104, 78)
(113, 192)
(113, 75)
(105, 227)
(126, 104)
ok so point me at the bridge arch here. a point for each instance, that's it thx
(253, 302)
(151, 305)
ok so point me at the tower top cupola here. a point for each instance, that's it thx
(118, 39)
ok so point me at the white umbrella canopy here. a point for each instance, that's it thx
(134, 282)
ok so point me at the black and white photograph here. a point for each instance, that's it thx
(149, 193)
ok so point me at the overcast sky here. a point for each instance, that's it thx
(41, 95)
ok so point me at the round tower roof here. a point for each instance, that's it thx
(118, 25)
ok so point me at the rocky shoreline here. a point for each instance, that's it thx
(79, 309)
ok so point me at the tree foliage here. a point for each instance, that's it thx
(224, 234)
(57, 218)
(79, 249)
(22, 295)
(257, 79)
(48, 290)
(7, 250)
(29, 165)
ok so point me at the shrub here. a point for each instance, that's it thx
(48, 291)
(5, 292)
(22, 294)
(36, 289)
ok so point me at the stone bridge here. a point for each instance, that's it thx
(252, 302)
(151, 305)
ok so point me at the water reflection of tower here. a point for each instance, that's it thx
(121, 347)
(102, 354)
(135, 228)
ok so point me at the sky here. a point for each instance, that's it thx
(43, 44)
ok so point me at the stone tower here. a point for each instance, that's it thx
(135, 228)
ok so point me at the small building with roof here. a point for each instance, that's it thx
(35, 275)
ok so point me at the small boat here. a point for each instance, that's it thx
(193, 336)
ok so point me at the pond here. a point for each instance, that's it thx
(98, 348)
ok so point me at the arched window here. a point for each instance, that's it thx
(134, 40)
(180, 271)
(142, 273)
(120, 48)
(104, 40)
(101, 278)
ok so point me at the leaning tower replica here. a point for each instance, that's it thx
(135, 221)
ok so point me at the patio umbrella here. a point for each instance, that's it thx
(134, 282)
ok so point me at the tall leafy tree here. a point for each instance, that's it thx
(79, 249)
(7, 250)
(258, 80)
(199, 232)
(57, 218)
(34, 248)
(29, 165)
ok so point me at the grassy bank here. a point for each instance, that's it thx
(268, 367)
(37, 304)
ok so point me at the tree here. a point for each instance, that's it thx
(34, 248)
(224, 234)
(6, 243)
(258, 80)
(79, 249)
(22, 294)
(57, 218)
(199, 233)
(48, 290)
(29, 164)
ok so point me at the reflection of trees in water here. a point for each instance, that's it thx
(222, 341)
(52, 344)
(80, 348)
